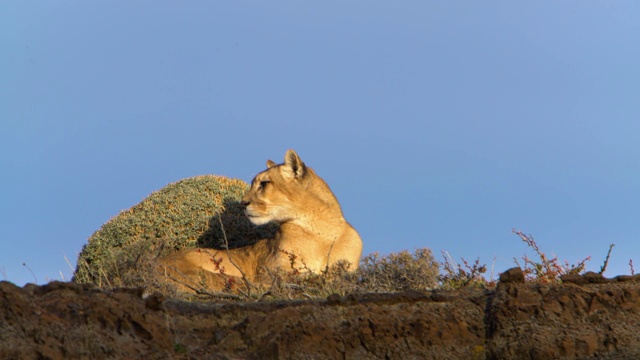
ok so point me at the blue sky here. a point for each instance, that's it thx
(437, 124)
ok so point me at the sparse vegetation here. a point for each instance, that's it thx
(398, 271)
(395, 272)
(35, 279)
(205, 211)
(603, 268)
(544, 270)
(458, 275)
(548, 269)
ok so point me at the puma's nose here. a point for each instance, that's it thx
(244, 203)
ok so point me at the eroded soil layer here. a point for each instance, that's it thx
(576, 320)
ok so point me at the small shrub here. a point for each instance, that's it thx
(183, 214)
(456, 275)
(548, 269)
(398, 272)
(395, 272)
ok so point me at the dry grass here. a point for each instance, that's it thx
(392, 273)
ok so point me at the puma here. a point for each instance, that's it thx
(313, 233)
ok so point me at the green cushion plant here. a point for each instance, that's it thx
(184, 214)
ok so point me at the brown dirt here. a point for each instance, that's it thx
(584, 318)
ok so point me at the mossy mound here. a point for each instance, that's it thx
(184, 214)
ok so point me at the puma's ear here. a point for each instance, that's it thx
(270, 164)
(293, 166)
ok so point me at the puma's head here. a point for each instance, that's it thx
(286, 192)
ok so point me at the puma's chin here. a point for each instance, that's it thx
(257, 219)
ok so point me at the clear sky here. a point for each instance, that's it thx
(437, 124)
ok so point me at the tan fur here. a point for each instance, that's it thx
(312, 228)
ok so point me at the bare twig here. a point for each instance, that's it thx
(264, 295)
(88, 274)
(631, 267)
(34, 275)
(105, 279)
(517, 263)
(326, 269)
(246, 281)
(548, 269)
(493, 264)
(292, 286)
(603, 268)
(209, 293)
(200, 291)
(69, 264)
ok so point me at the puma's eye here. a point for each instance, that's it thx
(264, 183)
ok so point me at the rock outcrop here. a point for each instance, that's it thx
(583, 318)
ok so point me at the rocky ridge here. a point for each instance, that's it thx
(585, 317)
